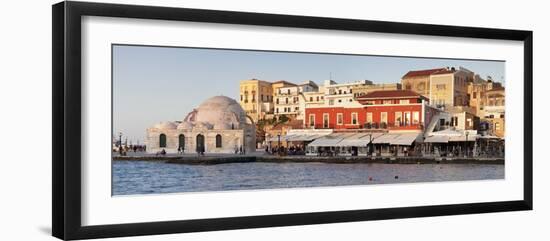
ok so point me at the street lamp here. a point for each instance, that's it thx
(120, 143)
(370, 145)
(278, 142)
(467, 147)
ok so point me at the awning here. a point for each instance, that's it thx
(296, 137)
(405, 139)
(355, 140)
(463, 138)
(324, 141)
(385, 139)
(437, 139)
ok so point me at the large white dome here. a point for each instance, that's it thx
(221, 111)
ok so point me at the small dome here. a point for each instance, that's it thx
(185, 125)
(166, 125)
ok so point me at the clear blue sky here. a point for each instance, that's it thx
(153, 84)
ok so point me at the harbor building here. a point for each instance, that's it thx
(419, 80)
(290, 100)
(386, 110)
(365, 89)
(445, 87)
(218, 125)
(256, 98)
(389, 121)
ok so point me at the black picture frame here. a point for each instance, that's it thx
(66, 159)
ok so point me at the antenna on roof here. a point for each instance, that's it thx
(330, 76)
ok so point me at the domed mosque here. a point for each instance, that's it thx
(218, 125)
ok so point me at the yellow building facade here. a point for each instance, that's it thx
(256, 98)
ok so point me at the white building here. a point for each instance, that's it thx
(218, 125)
(291, 100)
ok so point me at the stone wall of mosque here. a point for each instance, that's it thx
(229, 142)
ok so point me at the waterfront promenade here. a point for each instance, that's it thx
(212, 159)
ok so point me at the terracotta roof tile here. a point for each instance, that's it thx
(389, 94)
(426, 72)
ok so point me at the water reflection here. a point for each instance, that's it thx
(141, 177)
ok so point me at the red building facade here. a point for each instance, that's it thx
(396, 110)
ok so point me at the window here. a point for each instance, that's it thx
(262, 96)
(350, 91)
(277, 100)
(317, 98)
(286, 100)
(339, 119)
(398, 118)
(325, 120)
(475, 94)
(311, 99)
(339, 101)
(331, 102)
(241, 97)
(407, 118)
(311, 120)
(416, 117)
(354, 118)
(440, 87)
(162, 140)
(387, 102)
(288, 91)
(276, 110)
(369, 117)
(403, 101)
(218, 141)
(384, 117)
(340, 92)
(181, 141)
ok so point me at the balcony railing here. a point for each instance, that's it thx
(371, 126)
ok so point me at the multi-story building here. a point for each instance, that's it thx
(342, 95)
(450, 88)
(256, 98)
(477, 92)
(389, 110)
(494, 111)
(419, 80)
(367, 88)
(445, 87)
(290, 99)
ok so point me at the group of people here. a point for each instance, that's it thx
(240, 150)
(281, 150)
(123, 150)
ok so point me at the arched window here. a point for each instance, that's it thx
(218, 141)
(162, 140)
(181, 141)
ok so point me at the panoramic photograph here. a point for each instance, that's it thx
(207, 120)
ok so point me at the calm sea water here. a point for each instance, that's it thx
(141, 177)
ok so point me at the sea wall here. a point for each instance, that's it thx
(206, 160)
